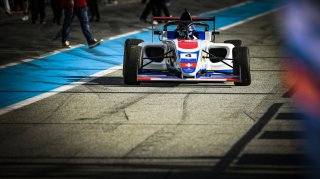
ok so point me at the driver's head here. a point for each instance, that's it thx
(185, 32)
(181, 31)
(191, 30)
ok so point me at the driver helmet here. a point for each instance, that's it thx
(191, 30)
(181, 30)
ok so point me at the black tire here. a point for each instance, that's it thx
(131, 65)
(236, 43)
(130, 42)
(127, 48)
(241, 65)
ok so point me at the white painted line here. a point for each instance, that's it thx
(9, 65)
(236, 5)
(27, 60)
(58, 90)
(127, 34)
(41, 56)
(249, 19)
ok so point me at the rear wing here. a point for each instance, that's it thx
(193, 19)
(178, 18)
(213, 19)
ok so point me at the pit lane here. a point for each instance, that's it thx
(105, 129)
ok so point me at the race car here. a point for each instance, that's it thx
(186, 52)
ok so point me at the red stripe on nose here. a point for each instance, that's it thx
(188, 44)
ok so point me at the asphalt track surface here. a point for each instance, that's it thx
(105, 129)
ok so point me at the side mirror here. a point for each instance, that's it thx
(215, 32)
(157, 32)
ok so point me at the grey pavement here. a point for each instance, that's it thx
(105, 129)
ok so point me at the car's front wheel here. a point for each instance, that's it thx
(127, 47)
(131, 65)
(241, 65)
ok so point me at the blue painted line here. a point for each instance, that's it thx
(27, 80)
(231, 16)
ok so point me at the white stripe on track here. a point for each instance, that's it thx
(233, 6)
(58, 90)
(42, 56)
(249, 19)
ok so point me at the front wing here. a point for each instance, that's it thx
(213, 78)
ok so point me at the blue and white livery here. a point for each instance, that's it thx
(187, 51)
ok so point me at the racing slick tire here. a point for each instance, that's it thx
(236, 43)
(127, 51)
(130, 42)
(131, 65)
(241, 65)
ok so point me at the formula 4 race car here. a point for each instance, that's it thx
(187, 51)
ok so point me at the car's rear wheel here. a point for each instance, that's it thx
(131, 67)
(127, 50)
(241, 65)
(236, 43)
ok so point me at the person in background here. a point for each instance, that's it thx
(150, 7)
(25, 9)
(163, 6)
(93, 6)
(112, 1)
(57, 11)
(38, 7)
(7, 7)
(76, 8)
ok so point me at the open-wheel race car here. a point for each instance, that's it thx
(187, 51)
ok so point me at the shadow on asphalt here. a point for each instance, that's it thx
(118, 81)
(233, 165)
